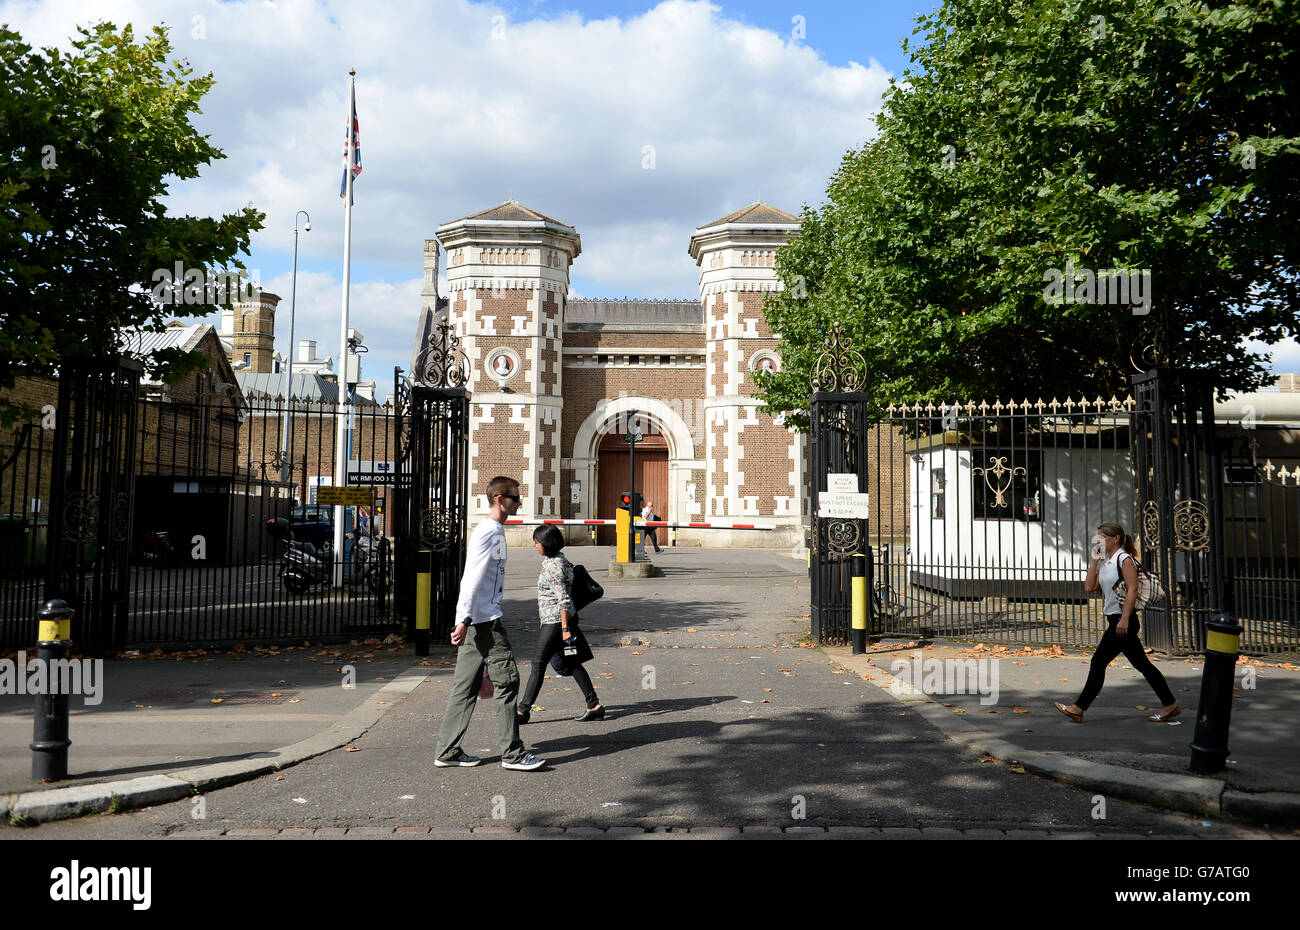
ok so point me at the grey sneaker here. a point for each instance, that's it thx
(464, 759)
(526, 764)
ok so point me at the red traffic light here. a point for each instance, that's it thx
(627, 498)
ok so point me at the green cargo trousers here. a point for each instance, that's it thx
(486, 644)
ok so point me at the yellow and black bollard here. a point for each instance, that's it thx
(861, 578)
(423, 601)
(50, 731)
(1210, 741)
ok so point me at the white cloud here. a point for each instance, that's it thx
(454, 119)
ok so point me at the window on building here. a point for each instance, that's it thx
(1241, 492)
(936, 493)
(1006, 484)
(631, 359)
(602, 359)
(665, 360)
(248, 358)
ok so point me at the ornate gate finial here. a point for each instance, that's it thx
(445, 363)
(841, 368)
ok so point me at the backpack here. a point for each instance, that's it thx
(1149, 587)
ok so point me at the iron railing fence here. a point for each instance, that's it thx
(986, 512)
(204, 568)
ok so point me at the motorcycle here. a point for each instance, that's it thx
(303, 565)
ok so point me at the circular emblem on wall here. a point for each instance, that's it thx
(765, 361)
(503, 364)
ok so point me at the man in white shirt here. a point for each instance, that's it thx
(483, 642)
(648, 513)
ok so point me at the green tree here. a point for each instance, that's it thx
(1034, 135)
(90, 140)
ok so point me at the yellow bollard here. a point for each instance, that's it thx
(423, 601)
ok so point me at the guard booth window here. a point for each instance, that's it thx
(1006, 484)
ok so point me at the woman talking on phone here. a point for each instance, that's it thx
(1113, 559)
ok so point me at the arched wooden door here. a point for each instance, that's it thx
(612, 477)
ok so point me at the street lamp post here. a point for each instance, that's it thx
(286, 434)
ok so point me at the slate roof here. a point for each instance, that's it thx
(756, 212)
(511, 210)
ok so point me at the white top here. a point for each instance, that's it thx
(647, 513)
(1108, 572)
(484, 580)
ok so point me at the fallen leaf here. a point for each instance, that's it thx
(353, 749)
(276, 693)
(1017, 768)
(279, 778)
(1019, 710)
(987, 758)
(218, 700)
(767, 690)
(295, 700)
(300, 800)
(691, 630)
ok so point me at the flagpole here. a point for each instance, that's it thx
(341, 432)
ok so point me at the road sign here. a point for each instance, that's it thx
(346, 497)
(843, 505)
(369, 477)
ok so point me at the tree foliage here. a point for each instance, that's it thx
(1033, 135)
(90, 141)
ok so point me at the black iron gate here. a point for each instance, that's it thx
(93, 483)
(433, 480)
(1180, 507)
(839, 422)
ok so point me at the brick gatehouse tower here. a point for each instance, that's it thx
(554, 382)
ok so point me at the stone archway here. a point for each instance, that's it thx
(681, 450)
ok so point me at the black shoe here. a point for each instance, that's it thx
(595, 713)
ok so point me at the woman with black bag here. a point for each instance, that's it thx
(558, 625)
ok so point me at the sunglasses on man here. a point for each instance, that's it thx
(511, 497)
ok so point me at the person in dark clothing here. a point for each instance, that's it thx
(1113, 558)
(558, 622)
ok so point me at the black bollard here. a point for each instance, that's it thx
(50, 732)
(1210, 741)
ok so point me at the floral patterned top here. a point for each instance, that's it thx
(554, 589)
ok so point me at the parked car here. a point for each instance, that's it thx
(312, 524)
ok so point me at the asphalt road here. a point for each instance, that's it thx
(718, 717)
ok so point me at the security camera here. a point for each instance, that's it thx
(355, 337)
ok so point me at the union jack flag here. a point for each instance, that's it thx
(351, 148)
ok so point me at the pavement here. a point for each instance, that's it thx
(1117, 750)
(174, 725)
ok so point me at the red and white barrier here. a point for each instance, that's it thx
(651, 523)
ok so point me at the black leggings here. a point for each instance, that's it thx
(1112, 645)
(549, 643)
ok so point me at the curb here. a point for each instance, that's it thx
(36, 807)
(1206, 797)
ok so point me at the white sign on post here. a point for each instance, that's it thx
(838, 483)
(575, 492)
(844, 505)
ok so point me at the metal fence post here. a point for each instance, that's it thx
(50, 730)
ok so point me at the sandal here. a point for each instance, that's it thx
(1077, 718)
(1161, 718)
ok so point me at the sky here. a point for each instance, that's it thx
(462, 105)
